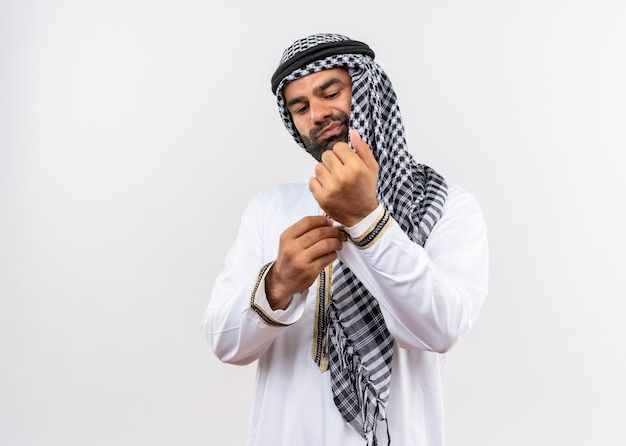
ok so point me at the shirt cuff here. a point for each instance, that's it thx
(261, 306)
(366, 232)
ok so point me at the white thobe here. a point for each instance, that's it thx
(430, 297)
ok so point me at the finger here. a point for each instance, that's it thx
(306, 224)
(348, 156)
(323, 253)
(341, 155)
(321, 236)
(362, 149)
(331, 159)
(315, 186)
(324, 261)
(325, 172)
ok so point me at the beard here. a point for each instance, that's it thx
(316, 146)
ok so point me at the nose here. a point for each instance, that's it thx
(319, 111)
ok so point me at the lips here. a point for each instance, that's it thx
(332, 129)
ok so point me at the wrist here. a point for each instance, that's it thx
(277, 296)
(359, 227)
(368, 231)
(354, 219)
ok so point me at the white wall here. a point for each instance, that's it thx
(133, 133)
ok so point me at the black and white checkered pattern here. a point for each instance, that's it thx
(361, 346)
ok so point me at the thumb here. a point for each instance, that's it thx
(362, 149)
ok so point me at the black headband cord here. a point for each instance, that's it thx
(318, 52)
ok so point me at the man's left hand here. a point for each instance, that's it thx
(345, 181)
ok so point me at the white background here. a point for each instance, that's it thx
(133, 133)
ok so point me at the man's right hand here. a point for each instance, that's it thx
(305, 249)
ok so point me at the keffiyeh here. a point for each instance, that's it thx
(360, 346)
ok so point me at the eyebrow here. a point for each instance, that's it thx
(325, 85)
(317, 90)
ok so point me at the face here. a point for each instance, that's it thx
(319, 104)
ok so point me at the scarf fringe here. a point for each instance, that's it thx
(367, 420)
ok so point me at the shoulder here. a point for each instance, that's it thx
(462, 218)
(460, 202)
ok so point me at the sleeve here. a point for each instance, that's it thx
(430, 296)
(239, 324)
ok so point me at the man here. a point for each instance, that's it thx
(349, 288)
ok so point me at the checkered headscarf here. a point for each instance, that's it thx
(361, 346)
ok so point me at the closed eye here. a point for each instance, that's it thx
(299, 110)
